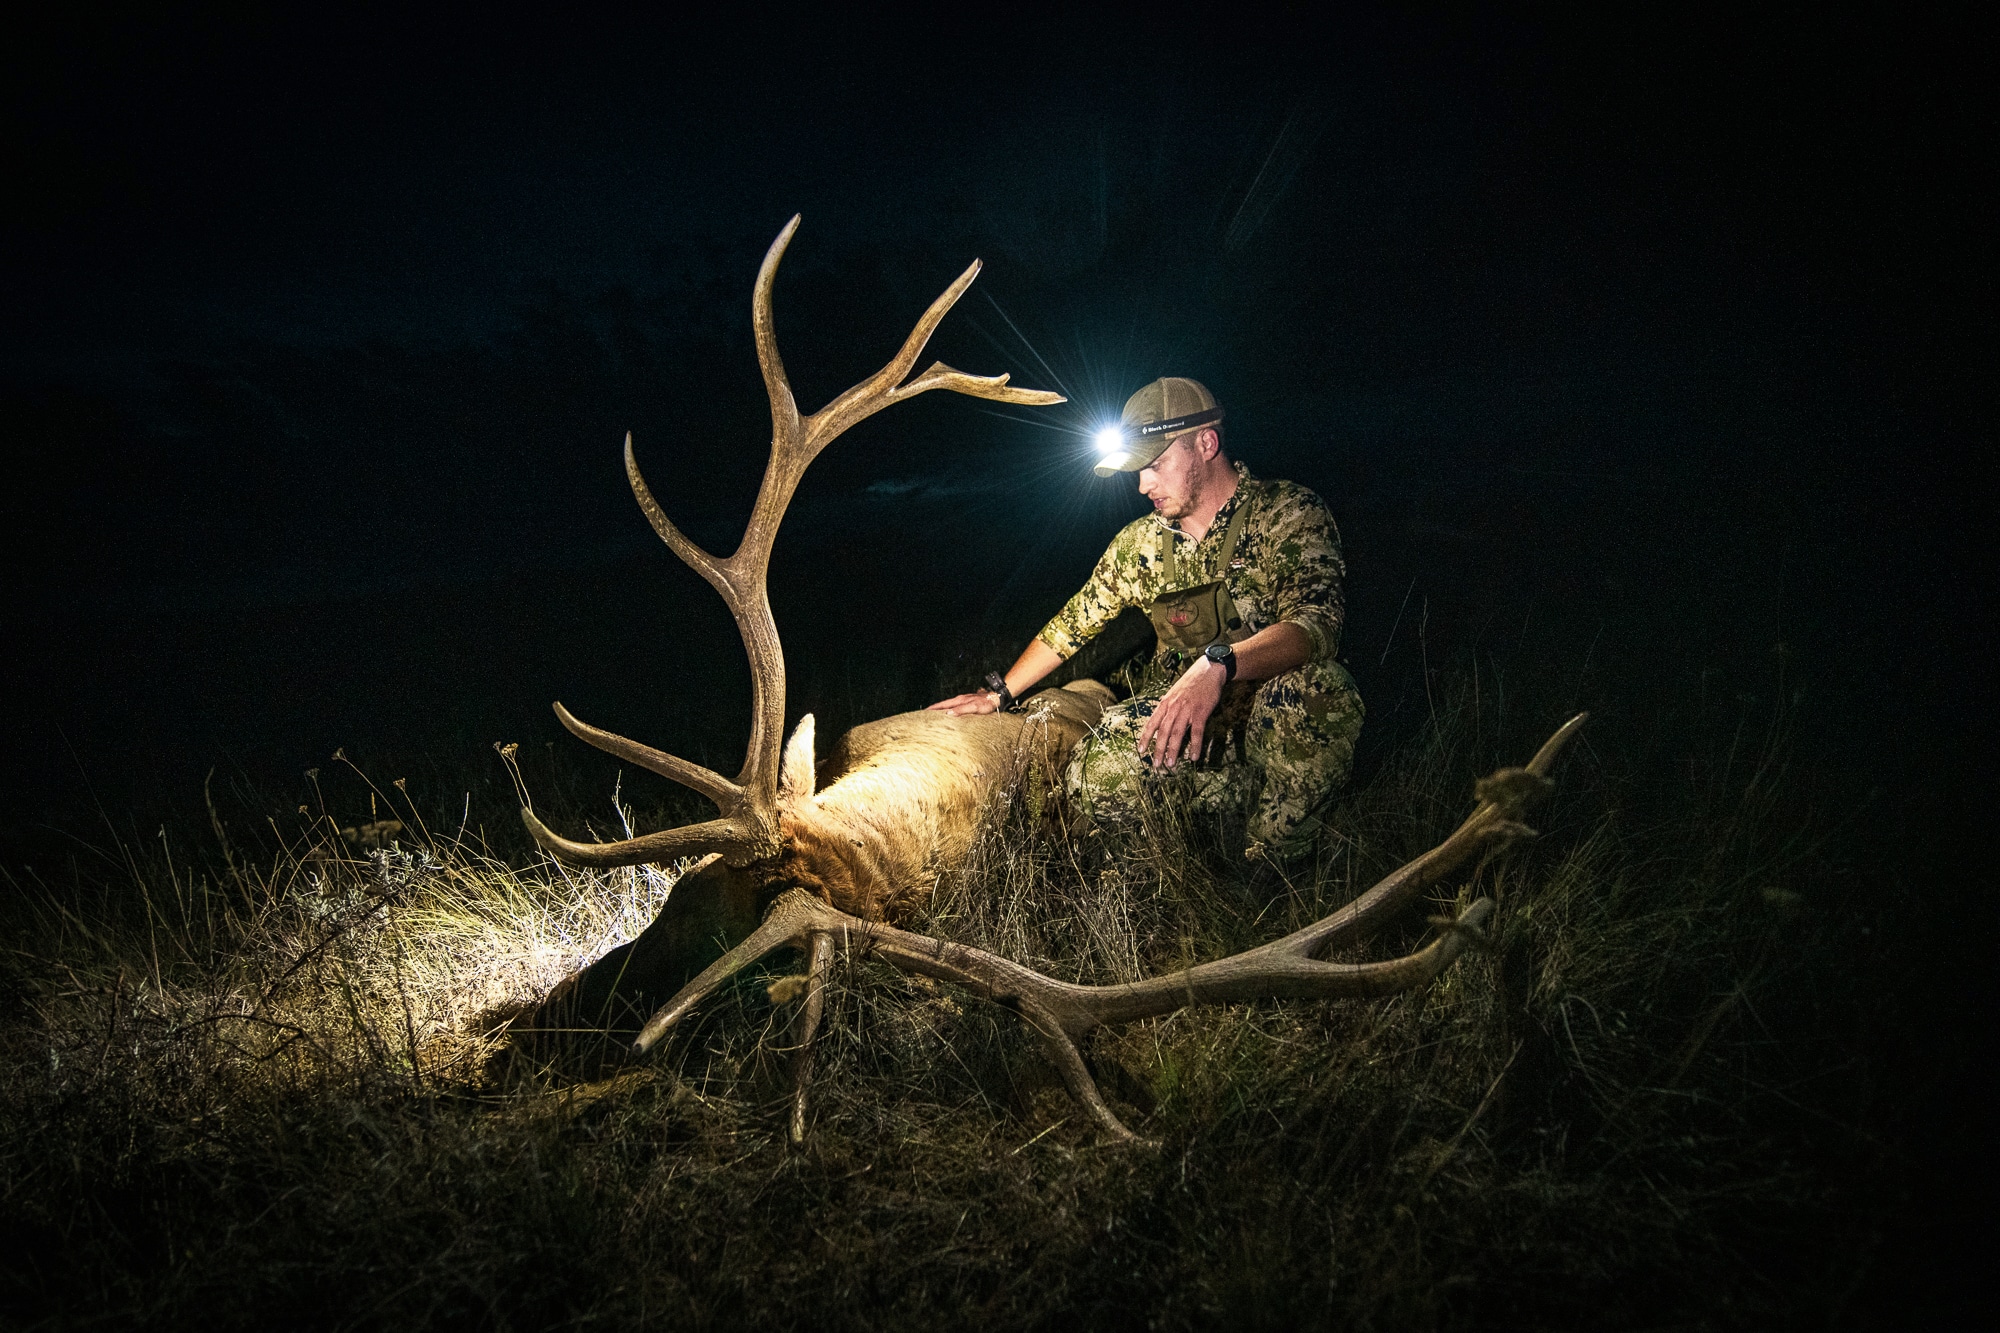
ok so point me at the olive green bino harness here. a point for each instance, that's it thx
(1190, 619)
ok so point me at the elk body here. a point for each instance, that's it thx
(804, 852)
(868, 830)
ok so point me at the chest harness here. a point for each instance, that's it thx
(1192, 618)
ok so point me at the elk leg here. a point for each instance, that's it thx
(819, 958)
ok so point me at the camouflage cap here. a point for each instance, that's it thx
(1151, 418)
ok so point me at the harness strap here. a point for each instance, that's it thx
(1237, 522)
(1230, 538)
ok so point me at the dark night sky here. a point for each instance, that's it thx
(321, 336)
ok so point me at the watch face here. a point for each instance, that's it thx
(1220, 652)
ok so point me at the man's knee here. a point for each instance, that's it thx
(1302, 735)
(1298, 752)
(1109, 779)
(1105, 768)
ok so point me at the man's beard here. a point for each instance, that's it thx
(1174, 512)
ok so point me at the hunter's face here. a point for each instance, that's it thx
(1173, 480)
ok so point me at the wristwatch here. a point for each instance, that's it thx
(1223, 656)
(998, 684)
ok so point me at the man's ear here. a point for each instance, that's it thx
(1209, 442)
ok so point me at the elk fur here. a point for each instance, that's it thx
(907, 792)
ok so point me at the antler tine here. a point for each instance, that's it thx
(1489, 822)
(995, 387)
(700, 561)
(731, 837)
(1545, 758)
(886, 385)
(913, 346)
(726, 794)
(880, 389)
(785, 427)
(819, 960)
(790, 920)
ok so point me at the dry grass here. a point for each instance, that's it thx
(258, 1093)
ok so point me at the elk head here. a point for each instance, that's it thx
(910, 786)
(748, 828)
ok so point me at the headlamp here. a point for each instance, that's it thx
(1130, 446)
(1115, 449)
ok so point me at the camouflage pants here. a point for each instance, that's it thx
(1272, 774)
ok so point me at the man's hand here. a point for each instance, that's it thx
(1174, 729)
(967, 705)
(1035, 661)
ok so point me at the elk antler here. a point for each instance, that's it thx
(748, 828)
(1060, 1012)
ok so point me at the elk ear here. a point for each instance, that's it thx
(795, 778)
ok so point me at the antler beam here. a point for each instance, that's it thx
(1062, 1012)
(748, 828)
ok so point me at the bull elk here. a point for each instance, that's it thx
(804, 853)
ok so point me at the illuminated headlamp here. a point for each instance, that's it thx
(1129, 447)
(1115, 450)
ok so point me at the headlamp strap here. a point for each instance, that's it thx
(1148, 429)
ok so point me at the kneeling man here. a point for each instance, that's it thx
(1243, 700)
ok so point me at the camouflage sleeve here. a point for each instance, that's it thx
(1100, 600)
(1301, 558)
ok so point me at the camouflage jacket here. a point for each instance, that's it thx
(1287, 567)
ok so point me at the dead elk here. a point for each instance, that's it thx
(801, 853)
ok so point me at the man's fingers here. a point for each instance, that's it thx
(1168, 752)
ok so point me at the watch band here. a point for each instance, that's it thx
(1226, 656)
(998, 684)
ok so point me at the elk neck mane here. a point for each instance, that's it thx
(903, 796)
